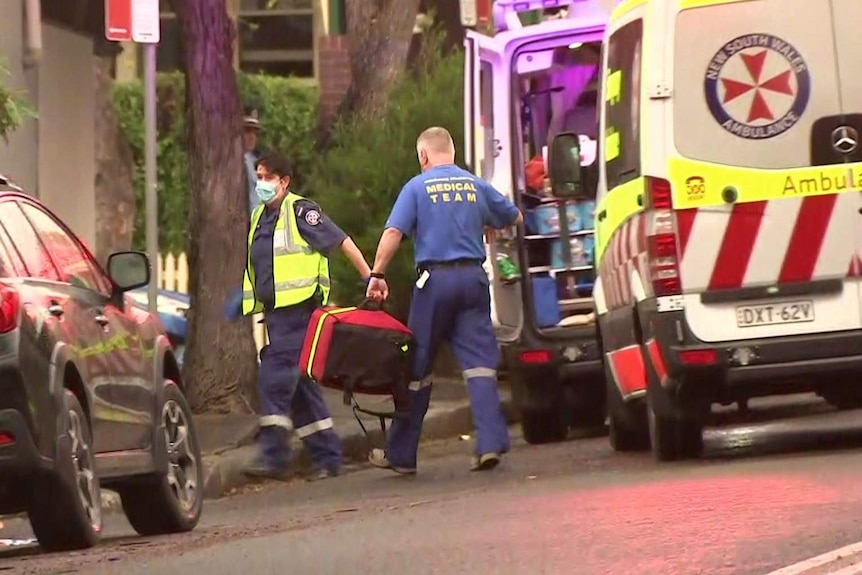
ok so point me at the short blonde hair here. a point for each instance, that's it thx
(436, 140)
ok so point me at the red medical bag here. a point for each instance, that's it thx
(360, 349)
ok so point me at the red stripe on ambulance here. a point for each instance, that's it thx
(737, 245)
(808, 234)
(629, 370)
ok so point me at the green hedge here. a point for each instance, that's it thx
(288, 110)
(358, 180)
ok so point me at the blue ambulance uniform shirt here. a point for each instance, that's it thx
(318, 230)
(445, 210)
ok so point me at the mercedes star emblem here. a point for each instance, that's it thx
(845, 139)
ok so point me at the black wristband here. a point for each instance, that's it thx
(376, 275)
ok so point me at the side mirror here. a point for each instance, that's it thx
(129, 270)
(564, 165)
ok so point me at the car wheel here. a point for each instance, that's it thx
(547, 426)
(585, 403)
(672, 439)
(627, 425)
(66, 507)
(169, 502)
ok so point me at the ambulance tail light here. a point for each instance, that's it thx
(662, 251)
(536, 356)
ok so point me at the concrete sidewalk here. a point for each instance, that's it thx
(228, 441)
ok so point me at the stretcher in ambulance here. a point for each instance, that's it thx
(525, 85)
(728, 225)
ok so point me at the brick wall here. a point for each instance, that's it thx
(334, 77)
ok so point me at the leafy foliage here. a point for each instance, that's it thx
(288, 109)
(359, 178)
(14, 110)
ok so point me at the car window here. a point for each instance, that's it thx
(65, 251)
(11, 264)
(39, 264)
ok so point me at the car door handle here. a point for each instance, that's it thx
(55, 309)
(101, 319)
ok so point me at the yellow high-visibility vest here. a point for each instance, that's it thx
(298, 270)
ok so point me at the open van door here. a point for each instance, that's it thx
(766, 195)
(488, 155)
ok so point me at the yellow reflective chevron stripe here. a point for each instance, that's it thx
(754, 185)
(618, 205)
(624, 8)
(317, 332)
(686, 4)
(627, 6)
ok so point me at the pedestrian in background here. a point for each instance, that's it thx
(287, 278)
(251, 154)
(446, 210)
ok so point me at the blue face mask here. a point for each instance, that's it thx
(266, 190)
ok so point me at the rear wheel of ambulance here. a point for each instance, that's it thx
(672, 436)
(627, 425)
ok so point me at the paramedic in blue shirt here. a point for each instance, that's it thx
(446, 210)
(288, 278)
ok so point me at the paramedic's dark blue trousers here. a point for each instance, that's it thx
(454, 305)
(290, 401)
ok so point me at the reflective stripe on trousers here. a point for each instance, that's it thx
(276, 421)
(314, 427)
(478, 372)
(419, 384)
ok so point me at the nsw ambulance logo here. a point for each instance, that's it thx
(757, 86)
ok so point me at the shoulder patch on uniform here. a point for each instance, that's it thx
(312, 217)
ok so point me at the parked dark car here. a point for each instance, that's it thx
(92, 396)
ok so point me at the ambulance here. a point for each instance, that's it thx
(538, 76)
(728, 232)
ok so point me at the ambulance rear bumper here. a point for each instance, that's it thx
(761, 367)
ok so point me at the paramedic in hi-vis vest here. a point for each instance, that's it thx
(286, 278)
(446, 210)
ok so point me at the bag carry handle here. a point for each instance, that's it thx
(370, 304)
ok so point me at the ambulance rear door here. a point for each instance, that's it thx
(767, 206)
(488, 155)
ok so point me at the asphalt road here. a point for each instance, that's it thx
(773, 488)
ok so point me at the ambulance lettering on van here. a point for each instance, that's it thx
(729, 225)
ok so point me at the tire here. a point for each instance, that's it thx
(541, 427)
(585, 404)
(627, 426)
(672, 439)
(66, 505)
(169, 502)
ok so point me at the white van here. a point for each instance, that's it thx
(728, 227)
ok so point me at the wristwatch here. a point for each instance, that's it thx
(377, 275)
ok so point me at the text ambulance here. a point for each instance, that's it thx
(729, 227)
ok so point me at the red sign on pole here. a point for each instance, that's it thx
(118, 20)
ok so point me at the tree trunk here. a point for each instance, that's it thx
(114, 186)
(220, 360)
(379, 32)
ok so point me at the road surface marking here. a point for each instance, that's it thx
(849, 570)
(824, 559)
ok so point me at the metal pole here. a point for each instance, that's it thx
(151, 195)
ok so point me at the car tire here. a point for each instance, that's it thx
(585, 404)
(169, 502)
(627, 425)
(66, 505)
(672, 439)
(546, 426)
